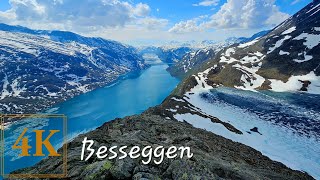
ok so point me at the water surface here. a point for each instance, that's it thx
(133, 95)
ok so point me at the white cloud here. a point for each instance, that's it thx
(295, 2)
(81, 16)
(242, 14)
(142, 10)
(152, 23)
(192, 25)
(207, 3)
(247, 14)
(84, 13)
(128, 21)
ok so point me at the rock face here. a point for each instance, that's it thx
(214, 156)
(282, 60)
(41, 68)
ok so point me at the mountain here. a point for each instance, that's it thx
(42, 68)
(182, 56)
(227, 94)
(192, 61)
(285, 59)
(253, 37)
(169, 55)
(220, 124)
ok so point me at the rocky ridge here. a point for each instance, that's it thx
(214, 156)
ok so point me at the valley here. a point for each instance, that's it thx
(248, 109)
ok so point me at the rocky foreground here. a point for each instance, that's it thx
(214, 156)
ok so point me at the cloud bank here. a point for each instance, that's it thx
(79, 16)
(241, 14)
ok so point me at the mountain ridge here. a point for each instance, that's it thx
(281, 57)
(38, 71)
(192, 61)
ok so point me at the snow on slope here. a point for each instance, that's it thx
(286, 59)
(279, 143)
(31, 44)
(277, 135)
(37, 71)
(284, 126)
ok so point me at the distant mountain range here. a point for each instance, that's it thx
(164, 54)
(192, 60)
(184, 56)
(41, 68)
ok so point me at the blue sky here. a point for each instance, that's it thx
(138, 21)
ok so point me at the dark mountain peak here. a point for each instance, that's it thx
(285, 59)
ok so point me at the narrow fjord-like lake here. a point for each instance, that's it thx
(133, 95)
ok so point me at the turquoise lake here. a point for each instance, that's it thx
(132, 95)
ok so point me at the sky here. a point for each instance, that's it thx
(149, 22)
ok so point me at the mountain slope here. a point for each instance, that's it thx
(41, 68)
(277, 124)
(286, 59)
(192, 61)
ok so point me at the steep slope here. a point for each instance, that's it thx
(194, 59)
(286, 59)
(277, 124)
(39, 69)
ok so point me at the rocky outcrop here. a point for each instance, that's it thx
(214, 156)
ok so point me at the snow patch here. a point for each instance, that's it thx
(248, 44)
(278, 44)
(316, 28)
(305, 58)
(294, 84)
(283, 53)
(251, 80)
(311, 40)
(230, 51)
(288, 31)
(179, 100)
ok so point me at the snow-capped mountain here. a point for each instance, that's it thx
(183, 55)
(165, 54)
(41, 68)
(282, 126)
(286, 59)
(193, 59)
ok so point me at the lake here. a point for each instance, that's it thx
(132, 95)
